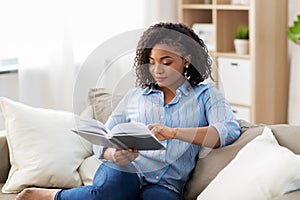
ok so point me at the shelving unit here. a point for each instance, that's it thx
(267, 58)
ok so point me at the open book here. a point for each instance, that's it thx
(122, 136)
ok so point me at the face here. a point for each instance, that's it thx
(167, 66)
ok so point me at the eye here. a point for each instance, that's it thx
(167, 63)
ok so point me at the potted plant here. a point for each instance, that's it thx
(241, 41)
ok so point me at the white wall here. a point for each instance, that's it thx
(294, 58)
(160, 10)
(8, 88)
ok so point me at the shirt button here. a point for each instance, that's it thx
(156, 177)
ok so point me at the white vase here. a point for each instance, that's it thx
(241, 46)
(240, 2)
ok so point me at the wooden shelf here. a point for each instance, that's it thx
(232, 55)
(267, 53)
(232, 7)
(197, 6)
(216, 7)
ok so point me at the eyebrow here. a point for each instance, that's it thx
(162, 58)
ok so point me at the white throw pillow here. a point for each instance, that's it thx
(44, 152)
(88, 169)
(261, 170)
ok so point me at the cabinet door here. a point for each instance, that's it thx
(241, 112)
(235, 80)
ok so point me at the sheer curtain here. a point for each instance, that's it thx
(74, 29)
(294, 52)
(52, 38)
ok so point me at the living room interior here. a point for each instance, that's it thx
(52, 53)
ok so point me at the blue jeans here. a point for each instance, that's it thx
(111, 182)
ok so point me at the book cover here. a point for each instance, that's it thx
(123, 136)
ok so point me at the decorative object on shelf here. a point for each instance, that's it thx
(294, 31)
(241, 41)
(207, 33)
(235, 2)
(240, 2)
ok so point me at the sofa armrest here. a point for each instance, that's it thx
(295, 195)
(4, 157)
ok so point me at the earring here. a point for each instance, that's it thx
(187, 66)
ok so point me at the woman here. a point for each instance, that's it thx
(171, 63)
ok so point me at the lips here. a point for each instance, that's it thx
(160, 79)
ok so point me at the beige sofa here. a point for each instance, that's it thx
(208, 167)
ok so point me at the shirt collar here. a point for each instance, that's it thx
(184, 89)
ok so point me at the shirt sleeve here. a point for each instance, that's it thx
(220, 116)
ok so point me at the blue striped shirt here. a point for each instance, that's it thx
(197, 106)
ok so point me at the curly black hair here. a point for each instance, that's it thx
(184, 40)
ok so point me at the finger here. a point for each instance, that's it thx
(124, 160)
(154, 127)
(130, 155)
(124, 154)
(159, 137)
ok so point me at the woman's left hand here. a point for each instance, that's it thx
(162, 132)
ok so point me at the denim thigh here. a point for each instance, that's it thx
(111, 182)
(154, 191)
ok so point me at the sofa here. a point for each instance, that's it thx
(33, 134)
(208, 166)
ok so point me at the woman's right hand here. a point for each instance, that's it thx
(121, 157)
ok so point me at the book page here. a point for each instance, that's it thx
(97, 139)
(93, 126)
(131, 128)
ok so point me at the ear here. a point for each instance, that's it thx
(187, 60)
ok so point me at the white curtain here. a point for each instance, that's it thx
(294, 55)
(52, 38)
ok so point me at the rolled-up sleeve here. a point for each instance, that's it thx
(220, 116)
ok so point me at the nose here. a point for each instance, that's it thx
(158, 68)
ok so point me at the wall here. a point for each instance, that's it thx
(294, 52)
(8, 88)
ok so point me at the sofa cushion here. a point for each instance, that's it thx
(287, 136)
(43, 150)
(88, 169)
(6, 196)
(4, 158)
(261, 170)
(209, 166)
(289, 196)
(102, 102)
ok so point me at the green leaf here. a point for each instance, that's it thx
(294, 31)
(297, 24)
(242, 32)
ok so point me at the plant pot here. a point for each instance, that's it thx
(241, 46)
